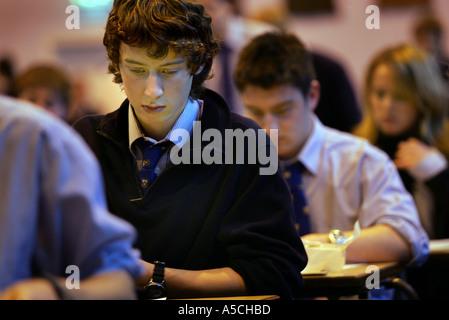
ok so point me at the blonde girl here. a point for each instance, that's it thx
(406, 103)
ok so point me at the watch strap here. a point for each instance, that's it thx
(159, 272)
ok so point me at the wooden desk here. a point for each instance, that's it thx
(348, 282)
(439, 247)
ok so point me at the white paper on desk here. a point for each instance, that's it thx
(327, 257)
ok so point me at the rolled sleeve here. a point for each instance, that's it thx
(388, 202)
(416, 238)
(83, 232)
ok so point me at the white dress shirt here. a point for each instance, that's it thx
(348, 179)
(53, 210)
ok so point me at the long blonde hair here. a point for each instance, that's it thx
(419, 74)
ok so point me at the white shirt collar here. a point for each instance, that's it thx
(185, 121)
(310, 153)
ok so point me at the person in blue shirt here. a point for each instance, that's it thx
(54, 223)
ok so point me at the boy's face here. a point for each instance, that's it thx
(283, 108)
(158, 89)
(47, 99)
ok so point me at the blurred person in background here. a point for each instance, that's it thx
(338, 107)
(48, 87)
(233, 31)
(6, 77)
(429, 36)
(406, 105)
(81, 103)
(53, 214)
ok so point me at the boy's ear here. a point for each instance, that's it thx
(313, 96)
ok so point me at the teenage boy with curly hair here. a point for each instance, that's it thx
(220, 229)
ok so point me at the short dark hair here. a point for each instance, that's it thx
(7, 71)
(160, 25)
(429, 25)
(6, 68)
(275, 58)
(48, 76)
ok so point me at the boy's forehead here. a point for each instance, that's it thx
(145, 54)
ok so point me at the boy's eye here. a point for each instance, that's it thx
(282, 112)
(137, 70)
(256, 113)
(380, 93)
(170, 71)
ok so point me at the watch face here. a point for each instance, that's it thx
(155, 291)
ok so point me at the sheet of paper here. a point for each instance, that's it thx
(327, 257)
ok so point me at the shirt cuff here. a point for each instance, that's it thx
(429, 167)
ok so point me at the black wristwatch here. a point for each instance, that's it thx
(155, 289)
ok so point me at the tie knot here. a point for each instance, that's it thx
(148, 145)
(151, 153)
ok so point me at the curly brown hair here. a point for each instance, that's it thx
(160, 25)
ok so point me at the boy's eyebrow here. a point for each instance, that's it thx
(272, 108)
(282, 104)
(133, 62)
(175, 62)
